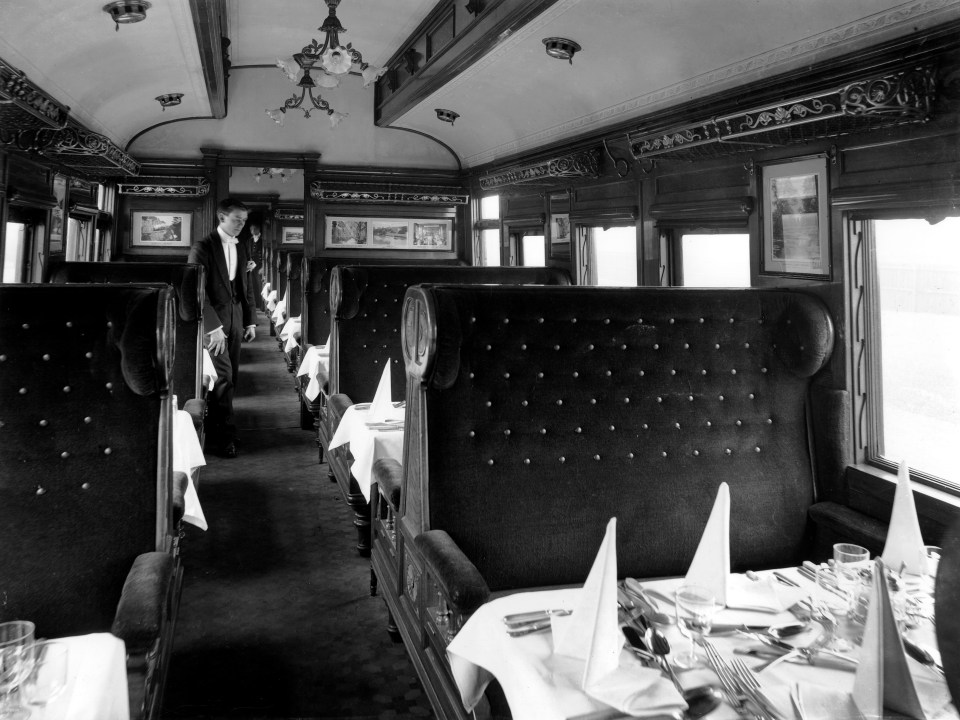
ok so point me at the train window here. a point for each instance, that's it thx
(714, 260)
(15, 253)
(609, 256)
(79, 241)
(532, 251)
(489, 225)
(914, 340)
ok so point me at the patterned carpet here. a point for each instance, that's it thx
(276, 618)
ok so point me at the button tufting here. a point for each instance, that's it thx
(593, 401)
(606, 321)
(110, 386)
(3, 358)
(696, 453)
(543, 431)
(26, 326)
(751, 396)
(709, 424)
(686, 346)
(720, 397)
(559, 402)
(562, 459)
(507, 432)
(596, 457)
(46, 357)
(41, 491)
(524, 403)
(739, 423)
(756, 449)
(630, 456)
(673, 372)
(663, 453)
(645, 426)
(88, 420)
(573, 320)
(526, 461)
(488, 403)
(659, 399)
(608, 373)
(23, 391)
(506, 376)
(556, 347)
(43, 423)
(472, 376)
(677, 425)
(490, 461)
(728, 451)
(590, 346)
(690, 398)
(64, 455)
(626, 400)
(747, 345)
(506, 321)
(612, 428)
(540, 320)
(576, 374)
(733, 371)
(656, 346)
(523, 347)
(472, 433)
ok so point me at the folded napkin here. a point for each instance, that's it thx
(764, 595)
(710, 567)
(904, 545)
(209, 371)
(382, 409)
(591, 633)
(265, 291)
(313, 358)
(187, 456)
(883, 678)
(290, 327)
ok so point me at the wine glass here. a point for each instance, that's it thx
(47, 674)
(834, 601)
(696, 606)
(15, 637)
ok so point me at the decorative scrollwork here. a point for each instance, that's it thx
(414, 196)
(18, 89)
(187, 187)
(908, 93)
(580, 164)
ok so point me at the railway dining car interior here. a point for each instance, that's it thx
(599, 359)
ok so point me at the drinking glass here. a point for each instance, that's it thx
(15, 637)
(834, 601)
(852, 567)
(696, 606)
(47, 674)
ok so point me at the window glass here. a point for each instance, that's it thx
(14, 252)
(490, 241)
(533, 253)
(918, 292)
(613, 256)
(715, 260)
(490, 207)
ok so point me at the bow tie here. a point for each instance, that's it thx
(230, 240)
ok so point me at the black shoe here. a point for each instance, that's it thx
(229, 450)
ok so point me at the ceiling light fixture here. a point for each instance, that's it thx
(169, 100)
(329, 60)
(447, 115)
(127, 11)
(561, 48)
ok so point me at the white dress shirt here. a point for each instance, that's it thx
(229, 252)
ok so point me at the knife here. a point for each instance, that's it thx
(525, 618)
(522, 630)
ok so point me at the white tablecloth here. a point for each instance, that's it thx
(290, 333)
(314, 358)
(209, 371)
(187, 457)
(96, 680)
(367, 445)
(537, 686)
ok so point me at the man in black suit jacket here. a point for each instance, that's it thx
(228, 317)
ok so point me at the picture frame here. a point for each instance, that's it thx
(796, 219)
(57, 214)
(292, 236)
(388, 233)
(160, 229)
(560, 235)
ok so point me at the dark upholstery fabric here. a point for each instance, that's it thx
(142, 607)
(388, 474)
(461, 582)
(179, 495)
(839, 523)
(829, 414)
(550, 410)
(138, 347)
(187, 281)
(947, 604)
(78, 451)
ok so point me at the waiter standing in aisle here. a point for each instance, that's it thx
(228, 318)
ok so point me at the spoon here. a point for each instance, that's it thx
(786, 630)
(650, 611)
(701, 699)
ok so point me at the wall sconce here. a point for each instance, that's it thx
(169, 100)
(127, 11)
(447, 115)
(561, 48)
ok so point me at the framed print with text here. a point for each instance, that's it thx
(796, 227)
(376, 233)
(160, 229)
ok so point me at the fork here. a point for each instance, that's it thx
(730, 686)
(751, 686)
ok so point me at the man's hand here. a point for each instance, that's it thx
(249, 334)
(251, 265)
(218, 342)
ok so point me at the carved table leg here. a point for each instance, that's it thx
(373, 583)
(361, 521)
(392, 630)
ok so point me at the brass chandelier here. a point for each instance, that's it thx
(329, 61)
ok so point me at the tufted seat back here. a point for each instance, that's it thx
(294, 261)
(187, 282)
(534, 415)
(84, 446)
(366, 302)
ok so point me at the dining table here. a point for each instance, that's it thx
(369, 440)
(316, 366)
(541, 684)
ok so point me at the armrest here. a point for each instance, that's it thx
(461, 582)
(197, 408)
(838, 523)
(142, 607)
(179, 495)
(388, 474)
(337, 405)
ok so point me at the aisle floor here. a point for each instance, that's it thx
(276, 618)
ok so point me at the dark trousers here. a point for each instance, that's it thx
(219, 426)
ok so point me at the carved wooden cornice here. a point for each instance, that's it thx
(370, 193)
(582, 164)
(901, 96)
(294, 215)
(16, 88)
(167, 187)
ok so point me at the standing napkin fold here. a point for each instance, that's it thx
(592, 632)
(710, 567)
(904, 545)
(381, 409)
(883, 677)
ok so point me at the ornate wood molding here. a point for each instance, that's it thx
(16, 88)
(409, 195)
(293, 215)
(585, 163)
(901, 96)
(167, 187)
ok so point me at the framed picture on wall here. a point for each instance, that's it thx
(374, 233)
(292, 236)
(796, 227)
(160, 229)
(56, 214)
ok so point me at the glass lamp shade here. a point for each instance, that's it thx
(337, 60)
(326, 80)
(290, 69)
(371, 73)
(336, 117)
